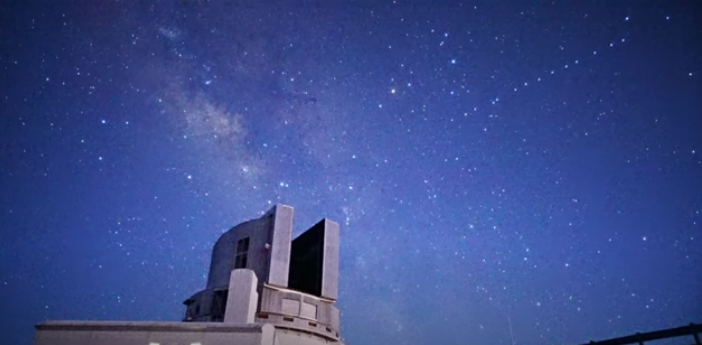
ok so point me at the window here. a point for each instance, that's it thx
(219, 305)
(242, 248)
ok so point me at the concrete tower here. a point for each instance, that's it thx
(270, 279)
(262, 288)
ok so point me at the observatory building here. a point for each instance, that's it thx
(263, 288)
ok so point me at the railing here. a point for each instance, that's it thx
(639, 338)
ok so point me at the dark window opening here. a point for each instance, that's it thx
(242, 249)
(240, 261)
(219, 305)
(242, 245)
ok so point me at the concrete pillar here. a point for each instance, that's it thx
(330, 266)
(242, 298)
(281, 235)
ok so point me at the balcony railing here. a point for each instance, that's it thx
(692, 329)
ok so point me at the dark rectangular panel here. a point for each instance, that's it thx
(306, 261)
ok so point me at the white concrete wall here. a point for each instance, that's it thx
(170, 333)
(151, 333)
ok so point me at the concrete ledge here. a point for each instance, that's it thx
(280, 321)
(149, 326)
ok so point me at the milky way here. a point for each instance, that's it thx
(521, 172)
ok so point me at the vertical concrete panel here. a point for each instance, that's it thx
(334, 317)
(330, 268)
(268, 335)
(290, 307)
(242, 299)
(280, 246)
(308, 310)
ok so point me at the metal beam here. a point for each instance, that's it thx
(639, 338)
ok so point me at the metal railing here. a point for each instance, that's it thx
(639, 338)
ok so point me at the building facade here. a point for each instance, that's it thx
(262, 288)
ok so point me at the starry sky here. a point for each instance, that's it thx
(503, 172)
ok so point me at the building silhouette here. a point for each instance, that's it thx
(262, 288)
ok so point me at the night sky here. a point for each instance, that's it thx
(531, 163)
